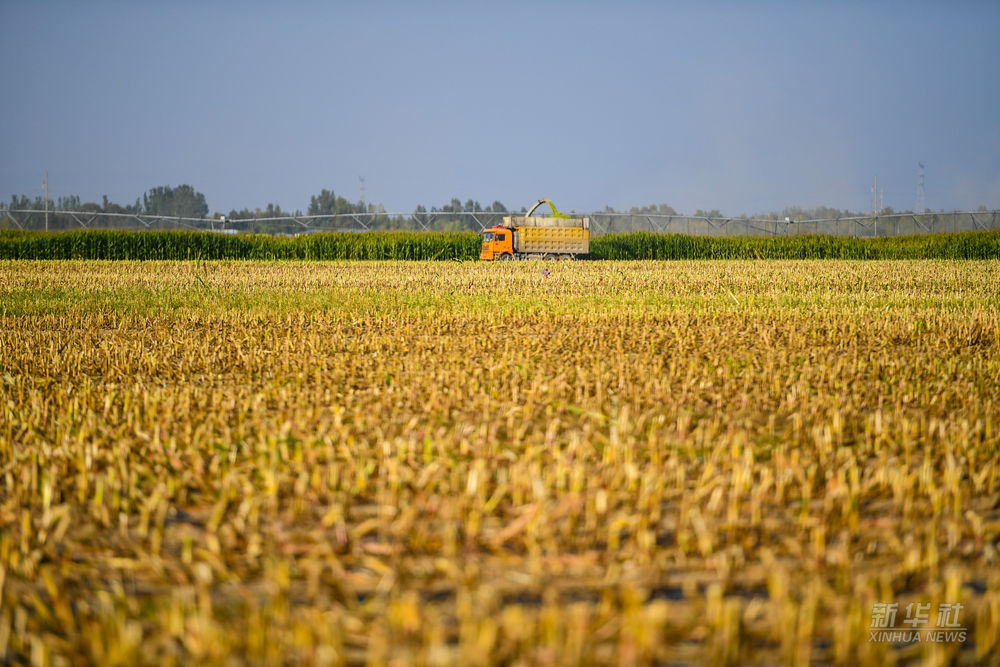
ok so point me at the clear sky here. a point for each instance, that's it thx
(742, 106)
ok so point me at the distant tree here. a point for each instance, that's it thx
(792, 213)
(68, 203)
(183, 201)
(22, 202)
(657, 209)
(448, 223)
(817, 213)
(109, 206)
(328, 203)
(497, 207)
(274, 211)
(322, 204)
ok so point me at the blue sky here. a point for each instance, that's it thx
(745, 107)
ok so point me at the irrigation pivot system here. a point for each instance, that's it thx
(896, 224)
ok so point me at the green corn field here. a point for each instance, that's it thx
(174, 245)
(183, 245)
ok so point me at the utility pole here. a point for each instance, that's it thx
(875, 204)
(46, 184)
(921, 195)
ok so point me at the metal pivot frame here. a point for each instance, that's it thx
(603, 222)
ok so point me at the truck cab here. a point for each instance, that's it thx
(498, 243)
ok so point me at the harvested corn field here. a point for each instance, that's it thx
(454, 463)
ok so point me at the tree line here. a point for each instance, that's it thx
(185, 201)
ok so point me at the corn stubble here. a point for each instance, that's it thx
(437, 463)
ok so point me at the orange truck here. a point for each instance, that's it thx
(558, 236)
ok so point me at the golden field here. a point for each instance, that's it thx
(466, 463)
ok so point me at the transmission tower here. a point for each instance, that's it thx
(921, 195)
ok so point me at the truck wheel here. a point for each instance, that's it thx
(548, 257)
(506, 257)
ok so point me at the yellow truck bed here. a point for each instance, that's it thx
(554, 240)
(542, 235)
